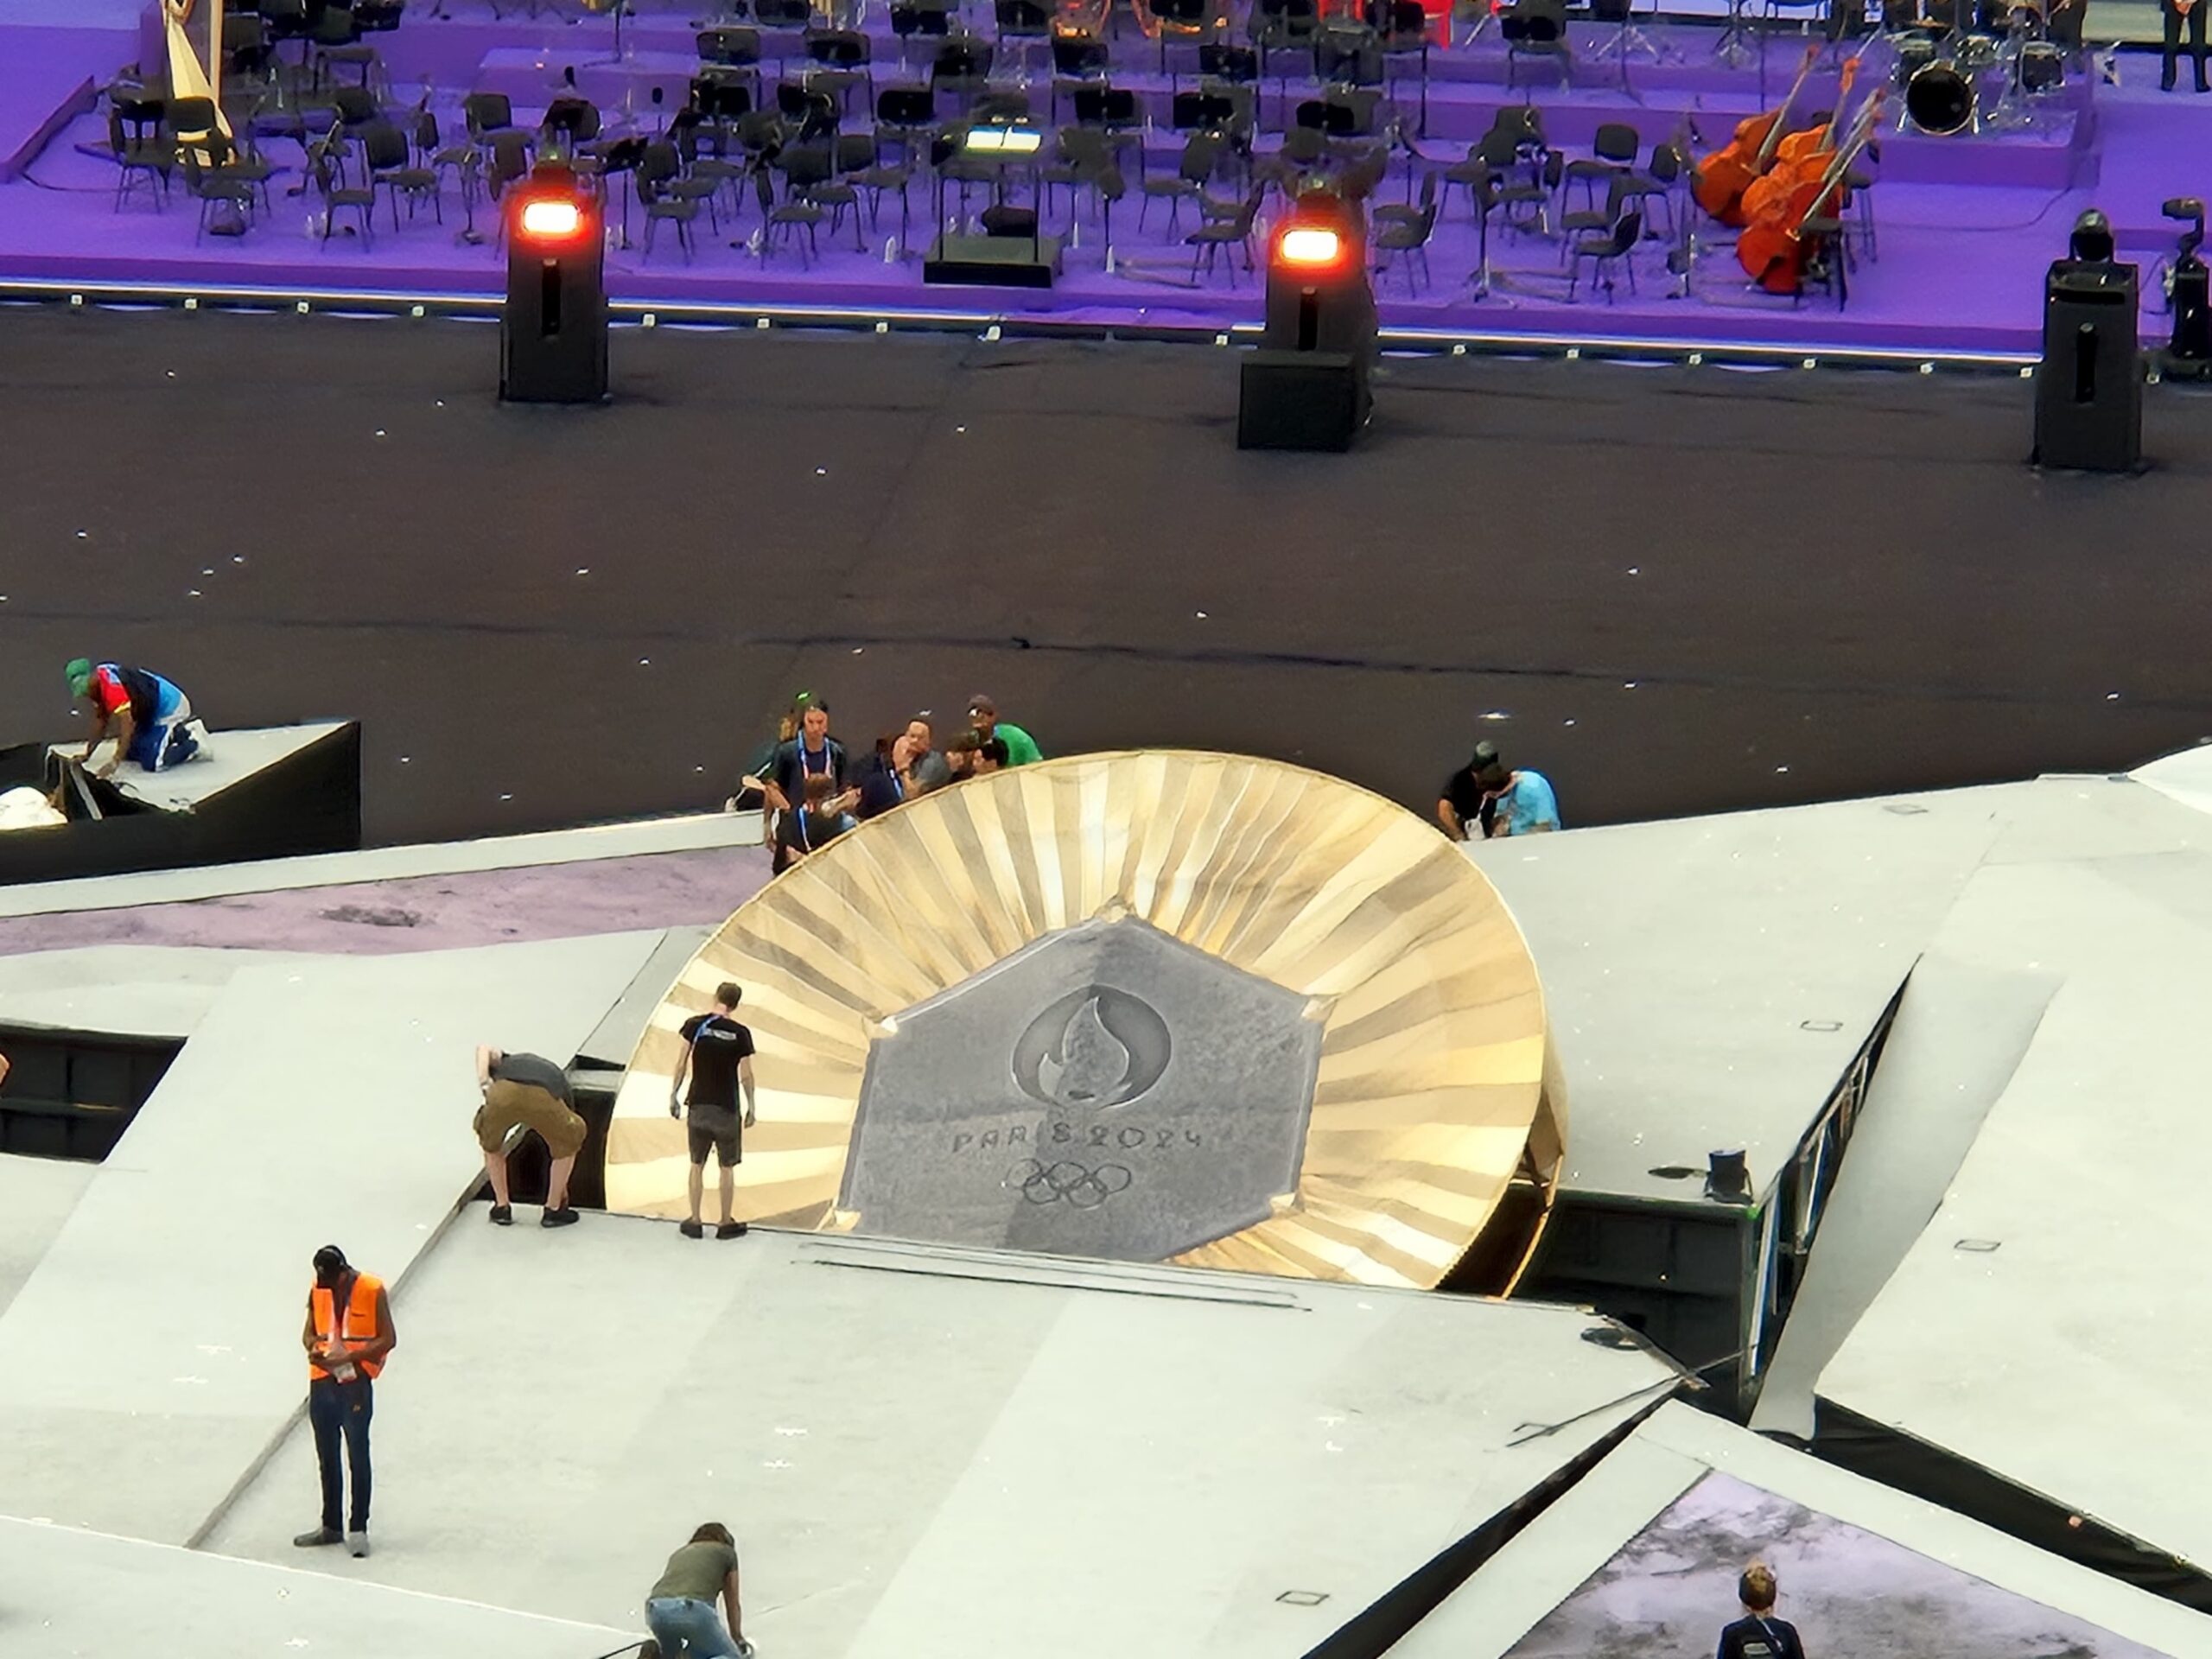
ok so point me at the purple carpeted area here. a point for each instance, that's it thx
(1961, 229)
(50, 73)
(430, 912)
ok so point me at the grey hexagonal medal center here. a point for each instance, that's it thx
(1107, 1090)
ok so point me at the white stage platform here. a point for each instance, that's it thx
(1710, 979)
(2041, 1325)
(84, 1595)
(1958, 1039)
(228, 758)
(315, 1102)
(924, 1451)
(36, 1195)
(1965, 1592)
(927, 1452)
(121, 990)
(1682, 963)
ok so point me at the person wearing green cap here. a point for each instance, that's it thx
(148, 715)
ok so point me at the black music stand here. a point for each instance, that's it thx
(622, 157)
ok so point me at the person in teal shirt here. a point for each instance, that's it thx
(1526, 805)
(1020, 747)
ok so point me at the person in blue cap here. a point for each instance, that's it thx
(148, 715)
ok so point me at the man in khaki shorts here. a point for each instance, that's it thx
(527, 1093)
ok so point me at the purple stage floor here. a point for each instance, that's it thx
(1966, 225)
(49, 73)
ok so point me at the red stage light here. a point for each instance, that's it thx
(551, 219)
(1311, 247)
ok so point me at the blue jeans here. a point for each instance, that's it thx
(341, 1411)
(162, 742)
(688, 1629)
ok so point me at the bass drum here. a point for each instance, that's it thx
(1939, 101)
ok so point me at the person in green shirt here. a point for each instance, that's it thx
(680, 1608)
(1020, 747)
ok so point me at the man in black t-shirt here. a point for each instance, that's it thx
(718, 1060)
(1760, 1634)
(812, 753)
(1469, 797)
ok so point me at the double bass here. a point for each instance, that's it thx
(1801, 156)
(1722, 177)
(1772, 249)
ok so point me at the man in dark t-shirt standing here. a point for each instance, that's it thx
(1760, 1634)
(718, 1061)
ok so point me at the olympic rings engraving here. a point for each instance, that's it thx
(1084, 1189)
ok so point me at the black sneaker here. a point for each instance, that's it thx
(730, 1229)
(319, 1537)
(503, 1215)
(561, 1217)
(692, 1230)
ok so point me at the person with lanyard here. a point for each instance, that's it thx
(717, 1062)
(348, 1337)
(812, 753)
(816, 823)
(884, 777)
(1760, 1634)
(1469, 802)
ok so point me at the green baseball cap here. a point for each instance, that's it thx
(80, 674)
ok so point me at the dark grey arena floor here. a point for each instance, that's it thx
(1681, 588)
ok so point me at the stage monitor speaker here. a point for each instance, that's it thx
(993, 260)
(1307, 386)
(553, 327)
(1300, 400)
(2089, 388)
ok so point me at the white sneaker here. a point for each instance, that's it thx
(358, 1543)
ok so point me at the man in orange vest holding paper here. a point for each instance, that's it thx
(348, 1334)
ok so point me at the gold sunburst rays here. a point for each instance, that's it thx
(1435, 1084)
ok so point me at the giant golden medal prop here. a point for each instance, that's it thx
(1150, 1006)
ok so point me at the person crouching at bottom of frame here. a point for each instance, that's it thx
(527, 1093)
(348, 1337)
(718, 1061)
(680, 1608)
(1758, 1634)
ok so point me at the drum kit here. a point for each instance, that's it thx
(1948, 55)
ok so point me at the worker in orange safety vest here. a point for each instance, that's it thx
(349, 1333)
